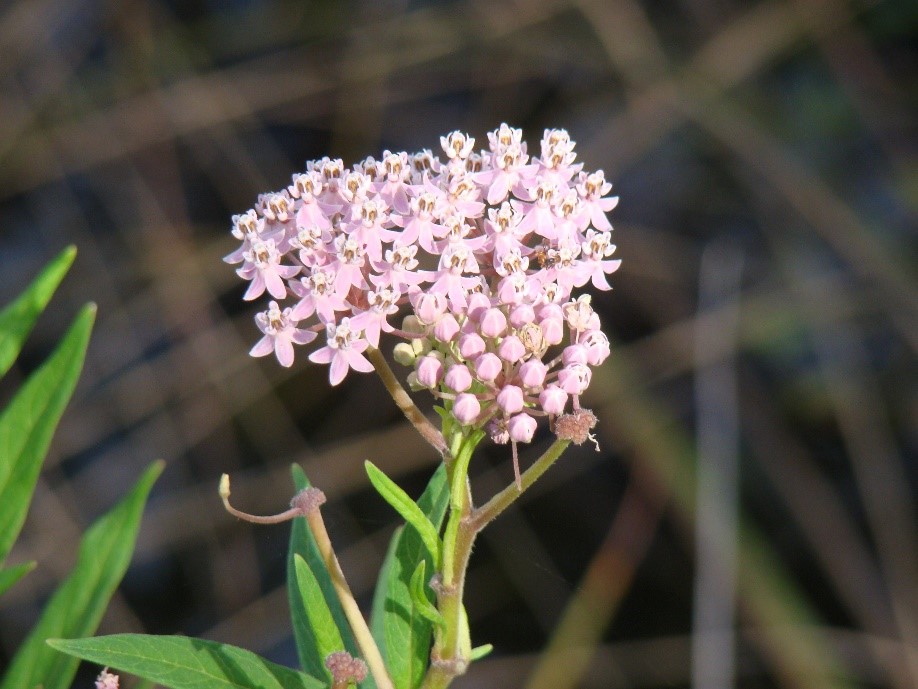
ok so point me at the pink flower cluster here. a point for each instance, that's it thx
(486, 247)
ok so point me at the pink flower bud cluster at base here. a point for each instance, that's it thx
(484, 247)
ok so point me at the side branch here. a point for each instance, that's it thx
(488, 512)
(404, 402)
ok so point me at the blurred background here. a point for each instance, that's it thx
(750, 518)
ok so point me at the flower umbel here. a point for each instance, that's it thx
(483, 249)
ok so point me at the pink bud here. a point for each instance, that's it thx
(550, 311)
(493, 323)
(478, 304)
(458, 378)
(552, 330)
(575, 354)
(522, 427)
(430, 371)
(532, 373)
(511, 349)
(597, 346)
(471, 346)
(553, 400)
(522, 315)
(429, 307)
(574, 379)
(510, 399)
(446, 328)
(488, 367)
(466, 408)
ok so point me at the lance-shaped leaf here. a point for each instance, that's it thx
(28, 423)
(18, 318)
(324, 630)
(401, 631)
(77, 606)
(10, 576)
(419, 595)
(407, 508)
(180, 662)
(302, 544)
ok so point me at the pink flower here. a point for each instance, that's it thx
(344, 351)
(280, 333)
(262, 266)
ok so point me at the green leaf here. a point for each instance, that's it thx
(77, 606)
(419, 595)
(18, 318)
(402, 633)
(480, 652)
(28, 423)
(180, 662)
(303, 544)
(10, 576)
(326, 633)
(407, 508)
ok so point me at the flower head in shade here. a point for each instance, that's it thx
(484, 251)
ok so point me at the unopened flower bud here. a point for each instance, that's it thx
(429, 307)
(552, 330)
(521, 315)
(574, 354)
(413, 383)
(553, 400)
(488, 367)
(511, 349)
(510, 399)
(532, 373)
(446, 328)
(477, 305)
(493, 323)
(550, 311)
(471, 346)
(522, 427)
(466, 408)
(430, 371)
(411, 324)
(458, 378)
(404, 354)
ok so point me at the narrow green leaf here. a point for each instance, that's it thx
(10, 576)
(18, 318)
(28, 423)
(180, 662)
(407, 508)
(419, 595)
(302, 543)
(402, 633)
(77, 606)
(324, 630)
(480, 652)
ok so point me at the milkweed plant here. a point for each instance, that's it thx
(465, 267)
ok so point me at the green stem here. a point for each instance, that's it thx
(488, 512)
